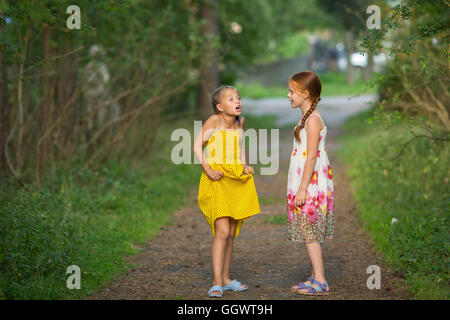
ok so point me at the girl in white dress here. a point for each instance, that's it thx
(310, 194)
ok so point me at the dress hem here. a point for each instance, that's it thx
(239, 221)
(311, 241)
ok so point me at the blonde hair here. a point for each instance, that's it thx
(217, 96)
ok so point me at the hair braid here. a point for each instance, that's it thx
(304, 118)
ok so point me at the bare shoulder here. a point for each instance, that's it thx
(210, 125)
(313, 124)
(212, 122)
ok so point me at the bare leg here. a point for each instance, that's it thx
(315, 256)
(228, 251)
(222, 232)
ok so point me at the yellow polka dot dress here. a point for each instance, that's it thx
(234, 195)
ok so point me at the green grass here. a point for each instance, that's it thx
(260, 122)
(268, 200)
(91, 218)
(333, 84)
(275, 219)
(412, 188)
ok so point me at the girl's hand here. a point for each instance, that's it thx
(214, 175)
(300, 198)
(249, 170)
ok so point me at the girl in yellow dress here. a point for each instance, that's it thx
(227, 194)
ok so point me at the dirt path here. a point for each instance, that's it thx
(177, 264)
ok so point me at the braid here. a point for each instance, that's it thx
(304, 118)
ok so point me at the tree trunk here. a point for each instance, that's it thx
(4, 111)
(350, 71)
(64, 91)
(208, 73)
(368, 70)
(46, 102)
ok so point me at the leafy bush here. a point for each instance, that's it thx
(85, 217)
(416, 79)
(402, 194)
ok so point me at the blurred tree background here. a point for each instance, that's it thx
(100, 92)
(74, 101)
(84, 95)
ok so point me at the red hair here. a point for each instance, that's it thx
(306, 81)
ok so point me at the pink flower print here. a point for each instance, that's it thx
(330, 175)
(322, 197)
(289, 212)
(299, 170)
(314, 177)
(290, 204)
(291, 197)
(310, 211)
(330, 193)
(310, 208)
(315, 202)
(318, 153)
(294, 152)
(325, 171)
(330, 204)
(308, 195)
(330, 199)
(320, 138)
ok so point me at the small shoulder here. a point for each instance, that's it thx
(313, 122)
(213, 118)
(212, 122)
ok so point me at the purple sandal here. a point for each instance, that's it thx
(302, 285)
(320, 290)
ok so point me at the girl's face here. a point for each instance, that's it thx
(296, 98)
(230, 103)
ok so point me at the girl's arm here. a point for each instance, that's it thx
(201, 139)
(313, 126)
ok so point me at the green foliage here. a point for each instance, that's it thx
(260, 122)
(293, 45)
(289, 46)
(409, 184)
(150, 50)
(90, 218)
(274, 219)
(257, 91)
(333, 84)
(268, 29)
(426, 19)
(415, 81)
(349, 13)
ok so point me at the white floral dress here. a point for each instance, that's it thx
(313, 221)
